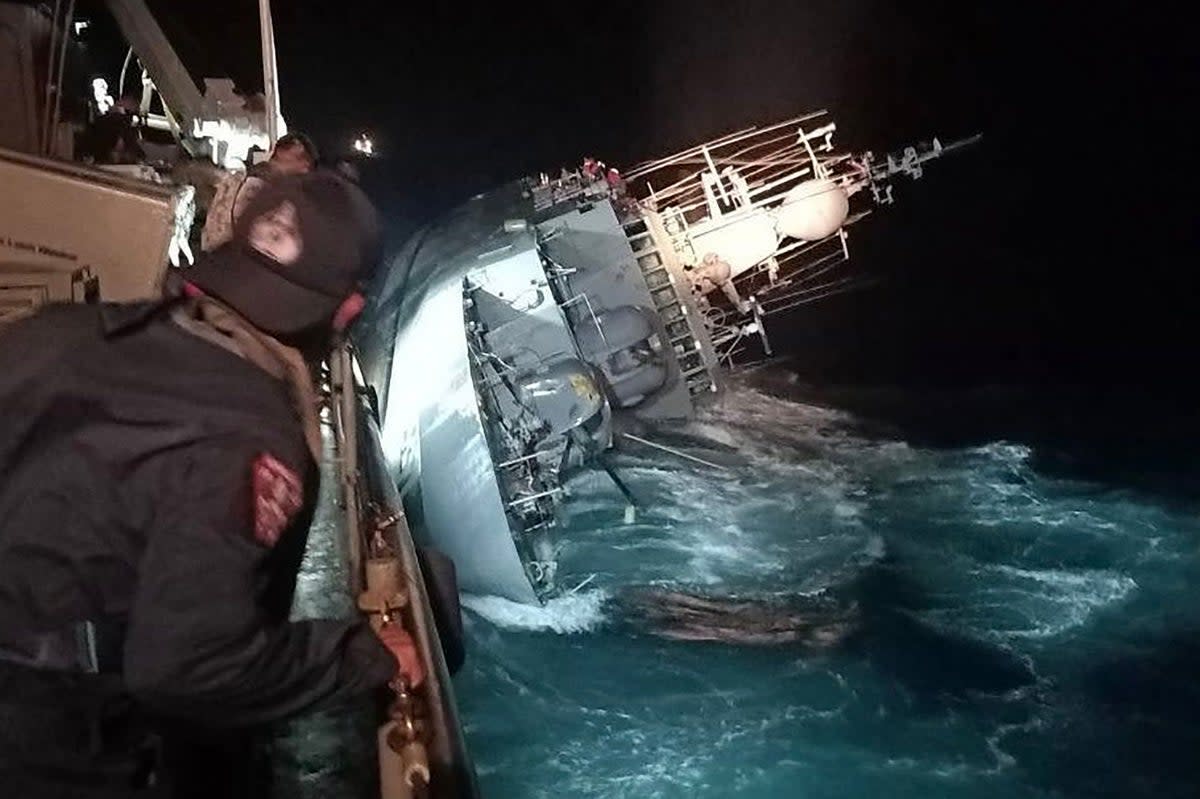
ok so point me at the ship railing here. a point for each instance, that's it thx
(791, 148)
(791, 300)
(421, 748)
(649, 167)
(787, 255)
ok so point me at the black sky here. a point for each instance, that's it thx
(1060, 250)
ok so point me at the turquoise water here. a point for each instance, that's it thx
(1025, 633)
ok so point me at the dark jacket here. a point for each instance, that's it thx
(128, 449)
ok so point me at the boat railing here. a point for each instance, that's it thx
(421, 749)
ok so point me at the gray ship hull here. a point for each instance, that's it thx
(490, 268)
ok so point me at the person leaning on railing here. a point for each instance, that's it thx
(158, 474)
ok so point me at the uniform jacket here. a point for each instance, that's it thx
(143, 467)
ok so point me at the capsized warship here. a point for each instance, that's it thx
(506, 343)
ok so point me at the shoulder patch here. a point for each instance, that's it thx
(278, 495)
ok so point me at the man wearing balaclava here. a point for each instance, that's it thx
(158, 474)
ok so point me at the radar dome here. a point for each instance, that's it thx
(813, 210)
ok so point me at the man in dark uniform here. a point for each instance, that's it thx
(157, 479)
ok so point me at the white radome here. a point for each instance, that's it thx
(813, 210)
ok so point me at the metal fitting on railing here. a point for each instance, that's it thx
(403, 758)
(385, 593)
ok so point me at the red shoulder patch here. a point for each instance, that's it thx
(278, 495)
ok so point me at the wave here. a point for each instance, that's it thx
(578, 612)
(1053, 601)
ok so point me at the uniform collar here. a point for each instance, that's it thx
(219, 324)
(118, 318)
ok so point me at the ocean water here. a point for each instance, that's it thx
(1029, 630)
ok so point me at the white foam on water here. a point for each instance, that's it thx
(1005, 452)
(570, 613)
(1054, 600)
(809, 503)
(947, 771)
(719, 433)
(1004, 760)
(794, 502)
(808, 468)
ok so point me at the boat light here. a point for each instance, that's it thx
(364, 145)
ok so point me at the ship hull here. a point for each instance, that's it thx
(469, 323)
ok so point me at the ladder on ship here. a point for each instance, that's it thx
(684, 327)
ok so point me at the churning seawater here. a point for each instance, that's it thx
(1024, 634)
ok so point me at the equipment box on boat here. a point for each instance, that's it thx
(64, 217)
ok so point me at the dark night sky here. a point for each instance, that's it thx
(1060, 250)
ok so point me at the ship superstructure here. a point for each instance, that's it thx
(758, 222)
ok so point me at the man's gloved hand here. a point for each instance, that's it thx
(397, 639)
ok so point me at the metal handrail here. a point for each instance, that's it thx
(374, 515)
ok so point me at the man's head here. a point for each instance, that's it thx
(300, 252)
(294, 154)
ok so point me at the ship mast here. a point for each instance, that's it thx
(276, 127)
(754, 223)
